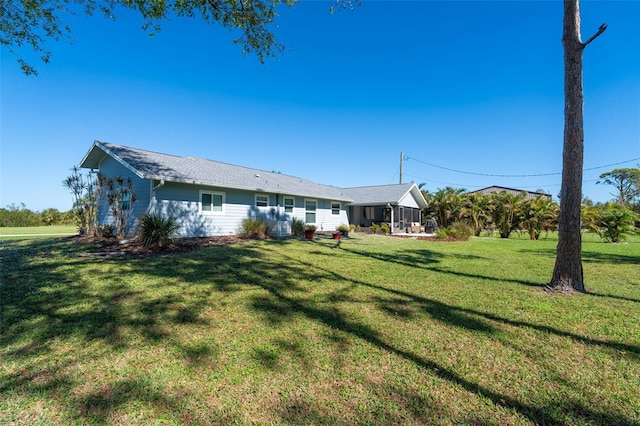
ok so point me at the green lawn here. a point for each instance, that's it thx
(36, 231)
(373, 330)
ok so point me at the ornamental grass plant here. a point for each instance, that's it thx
(156, 231)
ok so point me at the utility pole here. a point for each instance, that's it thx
(401, 159)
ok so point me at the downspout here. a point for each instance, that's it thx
(158, 186)
(153, 193)
(391, 208)
(279, 215)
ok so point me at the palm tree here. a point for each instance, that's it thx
(589, 218)
(476, 210)
(538, 214)
(507, 211)
(445, 205)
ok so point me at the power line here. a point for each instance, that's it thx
(609, 165)
(393, 179)
(459, 185)
(454, 185)
(512, 176)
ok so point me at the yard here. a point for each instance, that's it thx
(368, 330)
(12, 232)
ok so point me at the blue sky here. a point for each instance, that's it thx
(475, 87)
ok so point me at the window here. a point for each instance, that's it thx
(262, 200)
(310, 211)
(386, 214)
(335, 208)
(125, 201)
(369, 213)
(211, 202)
(288, 204)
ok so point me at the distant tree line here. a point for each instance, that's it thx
(20, 215)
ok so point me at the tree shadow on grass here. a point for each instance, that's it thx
(416, 258)
(51, 293)
(99, 406)
(590, 256)
(426, 259)
(333, 319)
(407, 308)
(461, 317)
(612, 296)
(32, 288)
(279, 306)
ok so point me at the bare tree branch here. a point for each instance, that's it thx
(593, 37)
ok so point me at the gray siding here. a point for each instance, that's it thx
(182, 201)
(408, 201)
(326, 220)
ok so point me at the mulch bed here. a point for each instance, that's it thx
(111, 247)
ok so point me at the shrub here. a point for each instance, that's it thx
(615, 223)
(156, 231)
(342, 227)
(297, 227)
(310, 228)
(384, 228)
(461, 231)
(442, 232)
(106, 231)
(254, 228)
(374, 228)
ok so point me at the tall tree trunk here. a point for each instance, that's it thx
(567, 273)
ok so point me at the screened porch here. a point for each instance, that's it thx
(398, 218)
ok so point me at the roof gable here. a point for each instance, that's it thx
(385, 194)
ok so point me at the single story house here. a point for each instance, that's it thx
(209, 198)
(513, 191)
